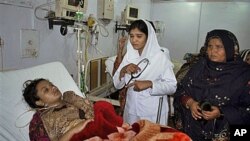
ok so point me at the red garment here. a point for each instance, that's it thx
(105, 122)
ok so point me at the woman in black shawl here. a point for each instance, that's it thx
(215, 93)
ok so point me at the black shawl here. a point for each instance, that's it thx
(226, 85)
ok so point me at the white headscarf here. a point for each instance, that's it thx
(151, 48)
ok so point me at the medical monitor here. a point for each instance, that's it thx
(66, 9)
(131, 14)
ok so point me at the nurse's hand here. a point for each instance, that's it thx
(122, 42)
(129, 69)
(140, 85)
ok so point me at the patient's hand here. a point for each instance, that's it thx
(76, 129)
(80, 126)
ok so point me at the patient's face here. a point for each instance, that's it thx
(48, 93)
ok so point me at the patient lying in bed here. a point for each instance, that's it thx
(63, 117)
(71, 117)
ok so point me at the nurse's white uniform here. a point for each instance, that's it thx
(144, 104)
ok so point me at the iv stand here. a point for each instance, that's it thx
(79, 55)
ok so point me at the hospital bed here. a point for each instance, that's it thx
(98, 79)
(14, 112)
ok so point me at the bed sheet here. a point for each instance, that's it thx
(13, 109)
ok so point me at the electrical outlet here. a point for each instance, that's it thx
(29, 43)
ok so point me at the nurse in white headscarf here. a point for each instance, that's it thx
(157, 80)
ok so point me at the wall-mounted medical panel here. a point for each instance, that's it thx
(105, 9)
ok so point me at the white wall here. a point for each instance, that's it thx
(53, 46)
(188, 22)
